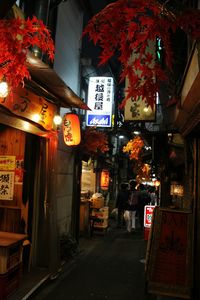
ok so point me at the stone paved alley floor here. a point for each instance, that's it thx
(110, 267)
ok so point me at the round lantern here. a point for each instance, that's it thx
(104, 180)
(71, 129)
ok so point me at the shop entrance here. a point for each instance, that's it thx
(23, 173)
(34, 198)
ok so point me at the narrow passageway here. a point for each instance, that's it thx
(110, 266)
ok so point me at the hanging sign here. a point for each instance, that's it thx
(138, 109)
(100, 100)
(29, 105)
(6, 185)
(71, 129)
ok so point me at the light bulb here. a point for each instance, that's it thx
(36, 118)
(57, 120)
(3, 89)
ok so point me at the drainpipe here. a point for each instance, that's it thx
(41, 10)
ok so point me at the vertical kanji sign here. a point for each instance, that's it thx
(6, 185)
(100, 100)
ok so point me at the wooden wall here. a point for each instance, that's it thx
(12, 143)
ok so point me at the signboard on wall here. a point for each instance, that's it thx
(30, 106)
(6, 185)
(7, 162)
(100, 99)
(169, 254)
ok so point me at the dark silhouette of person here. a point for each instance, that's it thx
(133, 206)
(121, 203)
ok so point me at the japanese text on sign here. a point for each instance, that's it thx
(148, 214)
(7, 162)
(26, 104)
(6, 185)
(100, 98)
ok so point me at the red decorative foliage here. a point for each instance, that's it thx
(126, 27)
(93, 142)
(16, 37)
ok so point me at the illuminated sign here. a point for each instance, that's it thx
(148, 214)
(100, 99)
(30, 106)
(104, 181)
(137, 109)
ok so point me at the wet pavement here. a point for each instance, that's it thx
(110, 266)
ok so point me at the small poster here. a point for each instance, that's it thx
(6, 185)
(7, 162)
(148, 214)
(19, 170)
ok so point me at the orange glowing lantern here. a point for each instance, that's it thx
(156, 183)
(71, 129)
(104, 180)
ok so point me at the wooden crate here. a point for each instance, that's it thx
(100, 212)
(11, 246)
(10, 281)
(101, 223)
(10, 257)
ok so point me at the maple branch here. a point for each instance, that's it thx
(126, 27)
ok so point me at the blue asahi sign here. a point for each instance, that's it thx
(96, 120)
(100, 98)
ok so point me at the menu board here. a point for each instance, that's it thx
(169, 254)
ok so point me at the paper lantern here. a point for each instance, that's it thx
(71, 129)
(104, 180)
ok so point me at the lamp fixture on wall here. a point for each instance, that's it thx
(57, 120)
(4, 90)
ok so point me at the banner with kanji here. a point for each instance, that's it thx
(169, 254)
(6, 185)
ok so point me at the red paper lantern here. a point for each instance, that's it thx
(104, 181)
(71, 129)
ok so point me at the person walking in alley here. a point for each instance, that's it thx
(130, 213)
(121, 203)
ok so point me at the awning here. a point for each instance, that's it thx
(45, 78)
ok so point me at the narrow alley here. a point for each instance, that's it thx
(109, 266)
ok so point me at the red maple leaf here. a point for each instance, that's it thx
(126, 27)
(16, 37)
